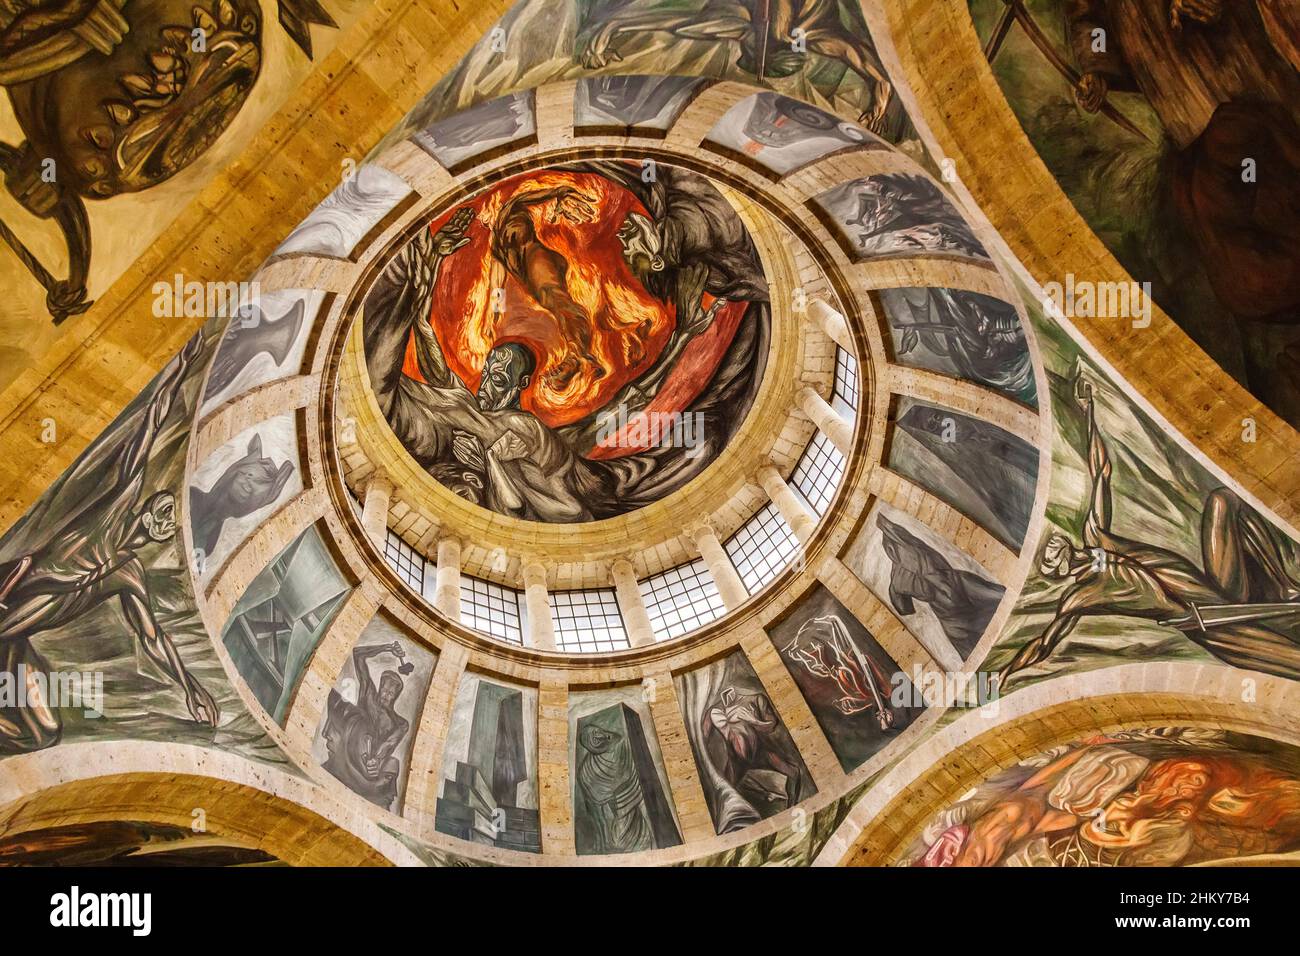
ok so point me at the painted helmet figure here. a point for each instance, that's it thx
(116, 99)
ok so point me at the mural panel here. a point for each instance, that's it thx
(782, 134)
(136, 123)
(478, 129)
(489, 770)
(264, 342)
(622, 801)
(1147, 556)
(372, 713)
(749, 766)
(962, 334)
(239, 486)
(274, 629)
(853, 687)
(897, 214)
(940, 593)
(645, 102)
(346, 215)
(97, 600)
(574, 343)
(984, 472)
(1169, 796)
(1149, 136)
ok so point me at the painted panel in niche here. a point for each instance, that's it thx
(275, 627)
(899, 214)
(943, 596)
(983, 471)
(372, 713)
(646, 102)
(477, 129)
(346, 215)
(853, 687)
(489, 770)
(1145, 145)
(1167, 796)
(622, 801)
(239, 486)
(127, 623)
(783, 134)
(1130, 514)
(749, 766)
(963, 334)
(264, 341)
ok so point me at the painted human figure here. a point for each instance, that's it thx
(93, 561)
(824, 648)
(773, 38)
(362, 738)
(543, 272)
(963, 602)
(1243, 562)
(750, 731)
(608, 780)
(1223, 76)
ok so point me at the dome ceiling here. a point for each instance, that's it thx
(574, 342)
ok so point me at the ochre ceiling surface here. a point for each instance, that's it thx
(947, 557)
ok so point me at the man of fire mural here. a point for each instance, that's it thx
(519, 344)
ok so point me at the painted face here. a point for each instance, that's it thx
(160, 518)
(253, 483)
(390, 687)
(505, 375)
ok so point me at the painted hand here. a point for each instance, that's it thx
(1090, 92)
(509, 447)
(468, 450)
(201, 705)
(599, 54)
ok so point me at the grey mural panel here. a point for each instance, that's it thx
(962, 334)
(239, 486)
(275, 627)
(649, 102)
(897, 214)
(621, 796)
(783, 134)
(479, 128)
(263, 342)
(371, 715)
(941, 594)
(489, 786)
(347, 214)
(984, 472)
(749, 766)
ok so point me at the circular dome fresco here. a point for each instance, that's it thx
(572, 343)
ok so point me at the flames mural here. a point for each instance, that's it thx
(540, 345)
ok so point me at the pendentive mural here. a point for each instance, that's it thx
(1174, 128)
(528, 346)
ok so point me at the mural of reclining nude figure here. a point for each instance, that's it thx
(622, 305)
(1169, 796)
